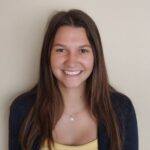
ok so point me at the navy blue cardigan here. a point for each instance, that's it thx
(121, 104)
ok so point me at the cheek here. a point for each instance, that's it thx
(56, 62)
(89, 63)
(53, 63)
(54, 59)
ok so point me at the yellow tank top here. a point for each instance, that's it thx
(89, 146)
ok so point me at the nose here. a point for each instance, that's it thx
(71, 60)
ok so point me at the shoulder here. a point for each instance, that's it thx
(19, 109)
(24, 101)
(121, 103)
(124, 109)
(21, 106)
(126, 114)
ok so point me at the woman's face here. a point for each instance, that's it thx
(71, 57)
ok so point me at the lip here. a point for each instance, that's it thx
(72, 72)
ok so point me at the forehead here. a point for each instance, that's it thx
(71, 34)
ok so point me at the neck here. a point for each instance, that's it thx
(74, 99)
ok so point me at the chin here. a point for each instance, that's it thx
(71, 85)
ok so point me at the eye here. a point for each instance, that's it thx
(60, 50)
(84, 50)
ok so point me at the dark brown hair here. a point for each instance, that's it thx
(49, 106)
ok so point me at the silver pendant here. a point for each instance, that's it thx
(71, 118)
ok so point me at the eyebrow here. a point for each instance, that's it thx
(62, 45)
(58, 44)
(86, 45)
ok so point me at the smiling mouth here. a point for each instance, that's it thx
(70, 72)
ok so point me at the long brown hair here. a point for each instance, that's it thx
(49, 106)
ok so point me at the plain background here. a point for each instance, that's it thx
(125, 31)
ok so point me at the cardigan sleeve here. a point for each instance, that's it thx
(128, 122)
(130, 128)
(18, 112)
(13, 131)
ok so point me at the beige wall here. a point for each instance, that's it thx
(125, 32)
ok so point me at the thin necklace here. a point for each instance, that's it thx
(73, 117)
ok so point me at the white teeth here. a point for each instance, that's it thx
(71, 72)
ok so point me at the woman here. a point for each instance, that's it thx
(73, 105)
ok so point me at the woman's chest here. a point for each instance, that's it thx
(79, 131)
